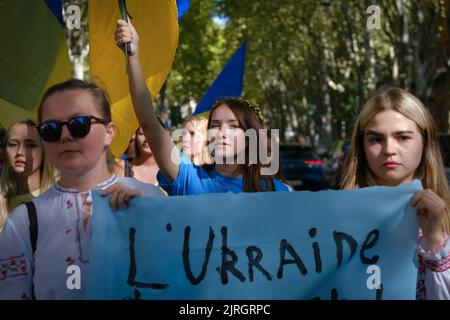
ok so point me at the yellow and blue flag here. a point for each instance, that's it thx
(228, 83)
(183, 6)
(157, 24)
(34, 55)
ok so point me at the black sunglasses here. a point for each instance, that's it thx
(79, 127)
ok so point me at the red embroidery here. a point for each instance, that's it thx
(421, 265)
(87, 205)
(421, 290)
(69, 204)
(13, 267)
(438, 265)
(69, 260)
(434, 265)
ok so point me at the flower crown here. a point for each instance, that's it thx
(254, 107)
(247, 103)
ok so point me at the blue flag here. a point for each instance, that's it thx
(183, 6)
(228, 83)
(34, 55)
(55, 7)
(346, 244)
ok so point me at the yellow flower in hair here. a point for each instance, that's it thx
(254, 107)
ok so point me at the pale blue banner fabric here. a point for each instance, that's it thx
(352, 244)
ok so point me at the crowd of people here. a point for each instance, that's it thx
(51, 166)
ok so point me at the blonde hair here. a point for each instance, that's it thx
(431, 168)
(8, 183)
(200, 125)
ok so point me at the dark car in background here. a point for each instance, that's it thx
(444, 143)
(302, 167)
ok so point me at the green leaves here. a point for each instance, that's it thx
(312, 62)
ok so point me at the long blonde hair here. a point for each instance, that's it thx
(8, 183)
(431, 171)
(200, 125)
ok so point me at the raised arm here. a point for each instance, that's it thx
(157, 137)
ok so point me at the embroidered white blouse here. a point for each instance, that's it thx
(433, 279)
(63, 240)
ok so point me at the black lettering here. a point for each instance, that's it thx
(316, 249)
(187, 266)
(338, 238)
(228, 265)
(379, 292)
(285, 246)
(370, 242)
(254, 261)
(133, 269)
(334, 294)
(136, 296)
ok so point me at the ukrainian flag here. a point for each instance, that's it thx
(156, 21)
(34, 55)
(229, 82)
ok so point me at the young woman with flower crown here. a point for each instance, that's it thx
(228, 122)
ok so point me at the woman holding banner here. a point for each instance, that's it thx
(43, 244)
(229, 121)
(394, 141)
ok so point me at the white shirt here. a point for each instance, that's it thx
(62, 241)
(433, 280)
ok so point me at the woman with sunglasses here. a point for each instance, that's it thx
(234, 170)
(26, 171)
(76, 129)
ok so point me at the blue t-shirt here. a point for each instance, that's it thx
(193, 179)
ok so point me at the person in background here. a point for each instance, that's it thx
(2, 147)
(26, 171)
(194, 141)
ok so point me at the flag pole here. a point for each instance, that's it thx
(124, 14)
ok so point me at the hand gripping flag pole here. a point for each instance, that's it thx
(124, 14)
